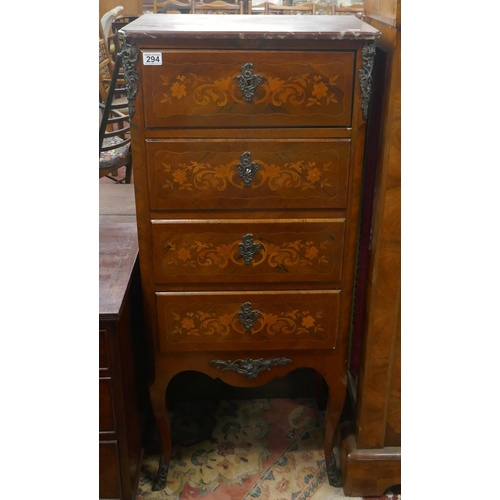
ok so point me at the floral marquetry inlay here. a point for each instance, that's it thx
(196, 176)
(311, 89)
(224, 88)
(284, 323)
(237, 250)
(281, 256)
(213, 174)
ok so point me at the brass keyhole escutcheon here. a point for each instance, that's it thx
(248, 82)
(248, 248)
(247, 168)
(248, 316)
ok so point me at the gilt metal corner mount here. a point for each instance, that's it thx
(129, 58)
(366, 76)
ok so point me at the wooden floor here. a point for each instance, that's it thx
(116, 200)
(121, 174)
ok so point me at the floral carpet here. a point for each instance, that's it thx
(260, 449)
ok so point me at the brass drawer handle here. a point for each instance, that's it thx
(247, 168)
(248, 82)
(248, 316)
(250, 368)
(248, 248)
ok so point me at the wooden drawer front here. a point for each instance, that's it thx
(242, 251)
(106, 418)
(109, 470)
(278, 174)
(103, 351)
(248, 320)
(201, 89)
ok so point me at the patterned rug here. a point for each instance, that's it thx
(257, 449)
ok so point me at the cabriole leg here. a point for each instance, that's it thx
(157, 395)
(160, 481)
(336, 391)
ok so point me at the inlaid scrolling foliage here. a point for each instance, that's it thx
(290, 322)
(281, 256)
(301, 174)
(315, 89)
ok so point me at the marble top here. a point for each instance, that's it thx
(250, 27)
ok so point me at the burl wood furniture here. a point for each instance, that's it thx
(120, 443)
(371, 445)
(248, 141)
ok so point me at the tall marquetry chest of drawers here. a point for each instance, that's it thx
(248, 142)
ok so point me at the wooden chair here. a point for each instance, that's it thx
(305, 8)
(114, 132)
(323, 9)
(119, 22)
(171, 7)
(356, 9)
(107, 20)
(105, 28)
(260, 8)
(216, 7)
(106, 66)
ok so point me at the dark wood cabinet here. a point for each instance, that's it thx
(248, 145)
(120, 331)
